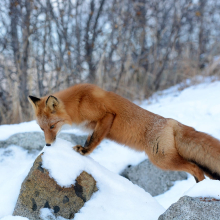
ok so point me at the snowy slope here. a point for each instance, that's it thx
(197, 106)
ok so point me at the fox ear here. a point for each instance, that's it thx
(52, 103)
(33, 100)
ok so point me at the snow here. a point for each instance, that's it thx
(7, 130)
(46, 213)
(114, 191)
(196, 106)
(116, 157)
(15, 164)
(14, 218)
(202, 190)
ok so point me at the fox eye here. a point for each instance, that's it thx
(52, 126)
(42, 129)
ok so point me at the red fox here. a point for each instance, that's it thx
(169, 144)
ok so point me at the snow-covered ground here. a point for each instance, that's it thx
(197, 106)
(117, 197)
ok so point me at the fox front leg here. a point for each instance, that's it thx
(102, 128)
(80, 149)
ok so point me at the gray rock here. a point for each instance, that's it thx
(29, 140)
(39, 190)
(33, 141)
(188, 208)
(152, 179)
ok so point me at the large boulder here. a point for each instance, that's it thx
(33, 141)
(152, 179)
(188, 208)
(39, 190)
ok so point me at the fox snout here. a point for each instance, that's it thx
(49, 142)
(50, 137)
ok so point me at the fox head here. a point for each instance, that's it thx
(50, 115)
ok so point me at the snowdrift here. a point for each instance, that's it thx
(116, 198)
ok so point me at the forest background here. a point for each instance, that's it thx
(131, 47)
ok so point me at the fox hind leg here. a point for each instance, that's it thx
(189, 167)
(177, 163)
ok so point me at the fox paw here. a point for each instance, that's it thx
(80, 149)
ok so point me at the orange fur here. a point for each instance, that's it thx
(169, 144)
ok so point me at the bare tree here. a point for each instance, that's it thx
(132, 47)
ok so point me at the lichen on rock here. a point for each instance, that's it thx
(39, 190)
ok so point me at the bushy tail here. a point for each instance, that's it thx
(199, 148)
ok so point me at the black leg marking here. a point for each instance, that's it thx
(87, 143)
(84, 151)
(196, 179)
